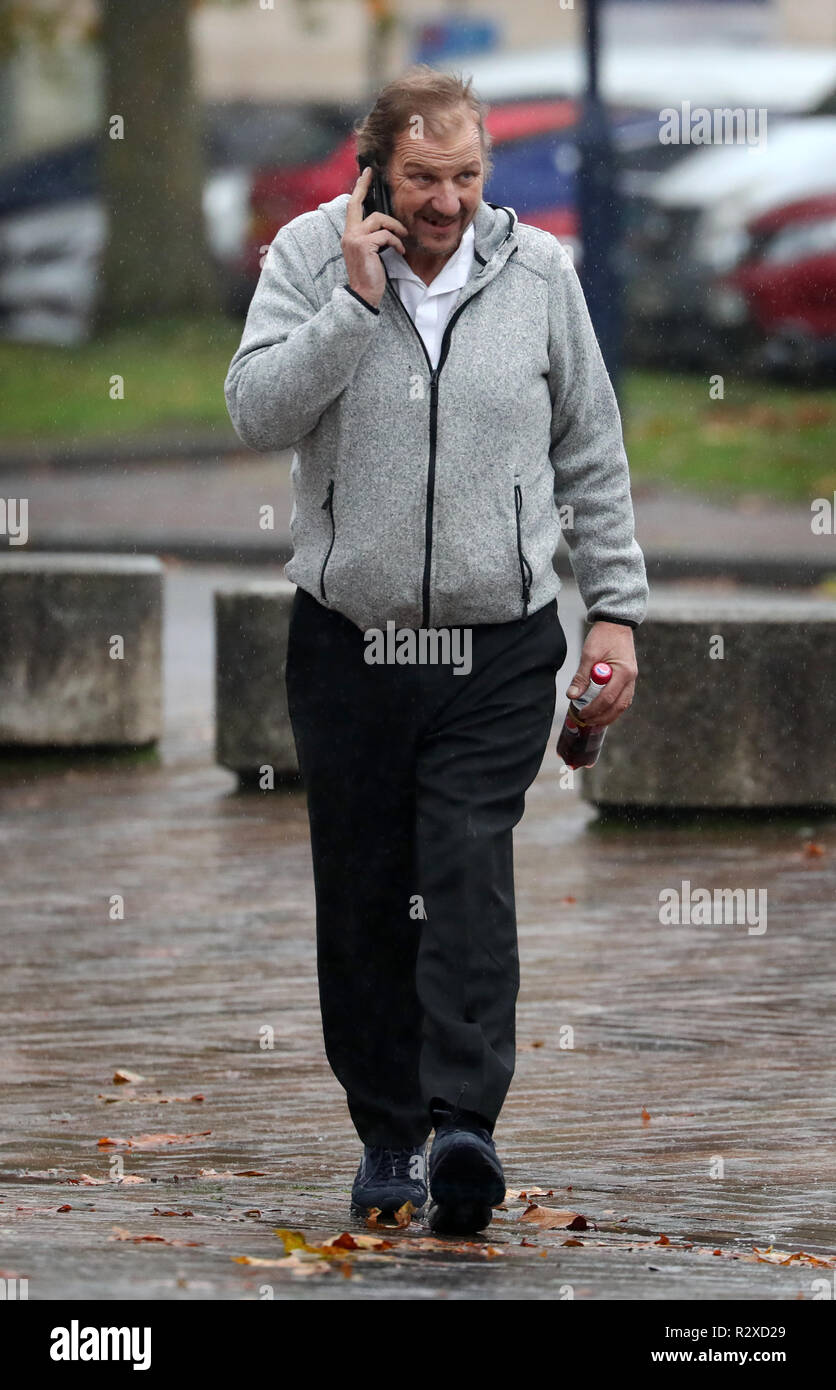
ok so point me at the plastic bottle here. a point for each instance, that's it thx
(579, 744)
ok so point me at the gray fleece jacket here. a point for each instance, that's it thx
(437, 498)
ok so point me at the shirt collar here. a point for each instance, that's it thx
(452, 276)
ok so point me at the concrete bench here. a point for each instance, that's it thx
(80, 650)
(735, 707)
(253, 733)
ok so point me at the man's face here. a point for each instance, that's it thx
(436, 186)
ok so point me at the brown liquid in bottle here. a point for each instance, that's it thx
(579, 744)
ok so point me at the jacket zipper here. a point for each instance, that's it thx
(526, 573)
(328, 506)
(434, 375)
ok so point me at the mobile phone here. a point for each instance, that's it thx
(378, 198)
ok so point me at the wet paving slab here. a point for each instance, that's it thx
(670, 1132)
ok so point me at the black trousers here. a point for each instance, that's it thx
(415, 777)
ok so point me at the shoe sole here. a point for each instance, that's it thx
(465, 1218)
(466, 1177)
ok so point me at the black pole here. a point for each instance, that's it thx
(599, 209)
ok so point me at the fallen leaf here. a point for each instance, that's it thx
(152, 1141)
(162, 1211)
(126, 1078)
(645, 1116)
(292, 1240)
(66, 1207)
(783, 1257)
(120, 1233)
(574, 1242)
(245, 1173)
(293, 1264)
(663, 1240)
(403, 1215)
(255, 1260)
(551, 1219)
(347, 1241)
(87, 1180)
(813, 850)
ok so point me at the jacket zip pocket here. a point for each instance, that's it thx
(526, 574)
(328, 506)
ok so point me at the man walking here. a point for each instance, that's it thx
(434, 368)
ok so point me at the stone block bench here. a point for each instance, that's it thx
(80, 650)
(253, 733)
(735, 707)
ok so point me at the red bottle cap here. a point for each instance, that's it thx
(601, 672)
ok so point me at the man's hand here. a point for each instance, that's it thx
(362, 239)
(610, 642)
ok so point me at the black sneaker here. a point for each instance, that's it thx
(387, 1178)
(466, 1177)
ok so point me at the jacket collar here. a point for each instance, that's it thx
(494, 225)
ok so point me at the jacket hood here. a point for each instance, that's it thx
(493, 225)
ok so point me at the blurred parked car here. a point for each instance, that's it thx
(53, 222)
(778, 306)
(693, 228)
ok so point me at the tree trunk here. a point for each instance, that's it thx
(157, 261)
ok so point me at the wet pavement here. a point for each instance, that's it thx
(211, 510)
(688, 1118)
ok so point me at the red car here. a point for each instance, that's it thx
(781, 296)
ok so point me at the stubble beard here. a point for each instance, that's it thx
(415, 244)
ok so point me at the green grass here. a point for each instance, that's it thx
(762, 438)
(173, 372)
(20, 763)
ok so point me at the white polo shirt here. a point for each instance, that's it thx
(430, 306)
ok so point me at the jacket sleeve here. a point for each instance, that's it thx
(590, 464)
(295, 355)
